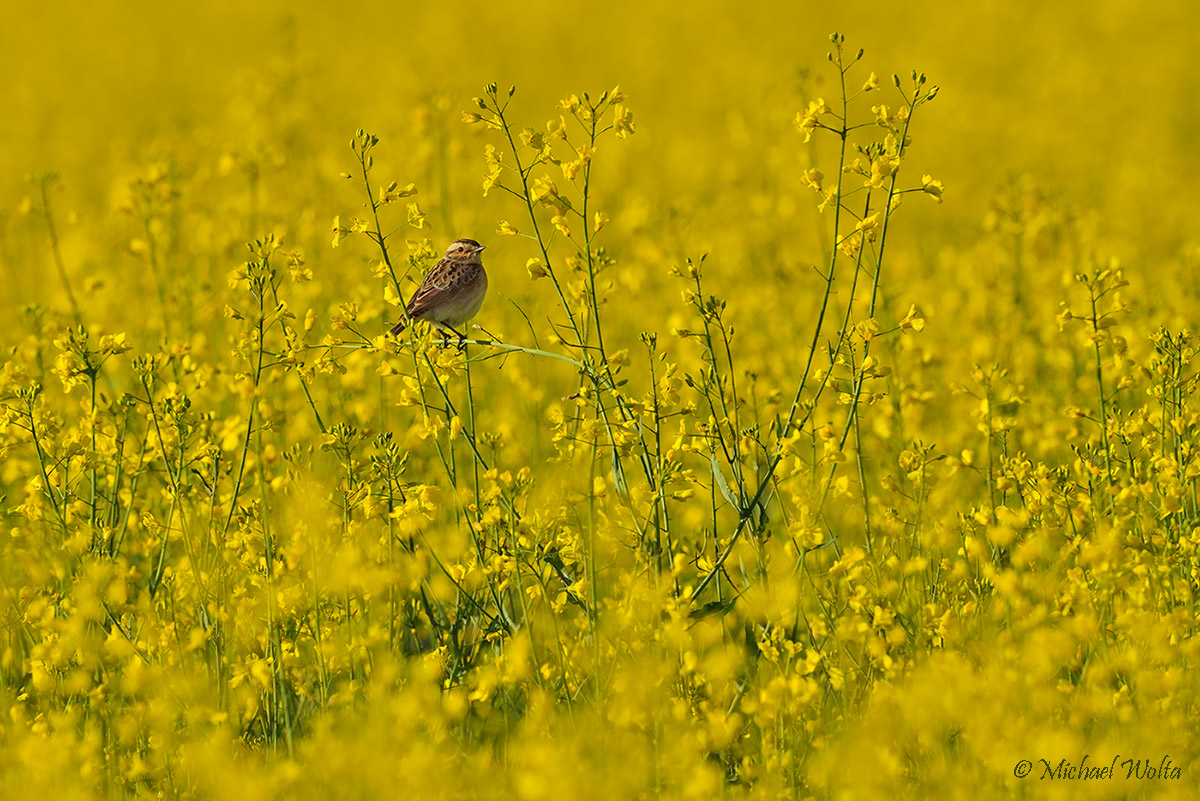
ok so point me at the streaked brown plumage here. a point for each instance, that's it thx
(453, 290)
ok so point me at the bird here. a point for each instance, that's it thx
(452, 292)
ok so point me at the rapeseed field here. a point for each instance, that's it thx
(829, 429)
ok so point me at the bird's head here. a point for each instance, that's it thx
(464, 250)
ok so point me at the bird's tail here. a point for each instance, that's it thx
(400, 326)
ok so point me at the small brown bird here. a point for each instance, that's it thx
(452, 291)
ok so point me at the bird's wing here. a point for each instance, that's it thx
(445, 279)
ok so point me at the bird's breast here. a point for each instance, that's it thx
(463, 304)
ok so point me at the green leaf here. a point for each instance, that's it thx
(723, 485)
(618, 474)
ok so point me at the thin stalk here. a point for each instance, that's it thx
(37, 446)
(92, 426)
(765, 481)
(45, 183)
(1103, 402)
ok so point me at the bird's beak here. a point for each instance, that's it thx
(480, 248)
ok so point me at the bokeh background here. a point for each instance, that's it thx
(1097, 99)
(1064, 624)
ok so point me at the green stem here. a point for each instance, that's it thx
(54, 247)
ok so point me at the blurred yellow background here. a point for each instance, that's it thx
(1096, 97)
(1031, 587)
